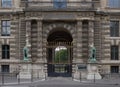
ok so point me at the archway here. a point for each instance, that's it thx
(59, 53)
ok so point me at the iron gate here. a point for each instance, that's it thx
(59, 57)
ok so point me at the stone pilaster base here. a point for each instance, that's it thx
(29, 71)
(25, 71)
(93, 71)
(91, 76)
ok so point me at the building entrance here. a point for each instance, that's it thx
(59, 54)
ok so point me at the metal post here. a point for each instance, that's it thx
(2, 78)
(32, 73)
(38, 74)
(45, 76)
(72, 76)
(80, 76)
(94, 77)
(19, 78)
(31, 77)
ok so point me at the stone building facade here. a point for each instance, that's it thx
(42, 25)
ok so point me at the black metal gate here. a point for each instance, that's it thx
(59, 64)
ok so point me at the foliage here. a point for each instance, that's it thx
(61, 56)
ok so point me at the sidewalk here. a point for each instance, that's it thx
(15, 86)
(64, 81)
(102, 81)
(23, 83)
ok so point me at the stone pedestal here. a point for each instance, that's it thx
(29, 71)
(76, 75)
(25, 71)
(93, 71)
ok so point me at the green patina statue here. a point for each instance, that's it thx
(25, 53)
(92, 58)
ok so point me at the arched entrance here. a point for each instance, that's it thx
(59, 53)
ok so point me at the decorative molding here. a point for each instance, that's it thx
(33, 15)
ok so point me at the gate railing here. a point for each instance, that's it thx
(54, 44)
(14, 77)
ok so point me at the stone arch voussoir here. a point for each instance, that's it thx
(69, 27)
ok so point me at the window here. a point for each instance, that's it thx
(6, 3)
(85, 24)
(5, 68)
(60, 3)
(114, 69)
(5, 28)
(114, 53)
(5, 52)
(114, 28)
(114, 3)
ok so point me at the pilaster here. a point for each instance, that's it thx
(105, 49)
(28, 37)
(79, 42)
(90, 35)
